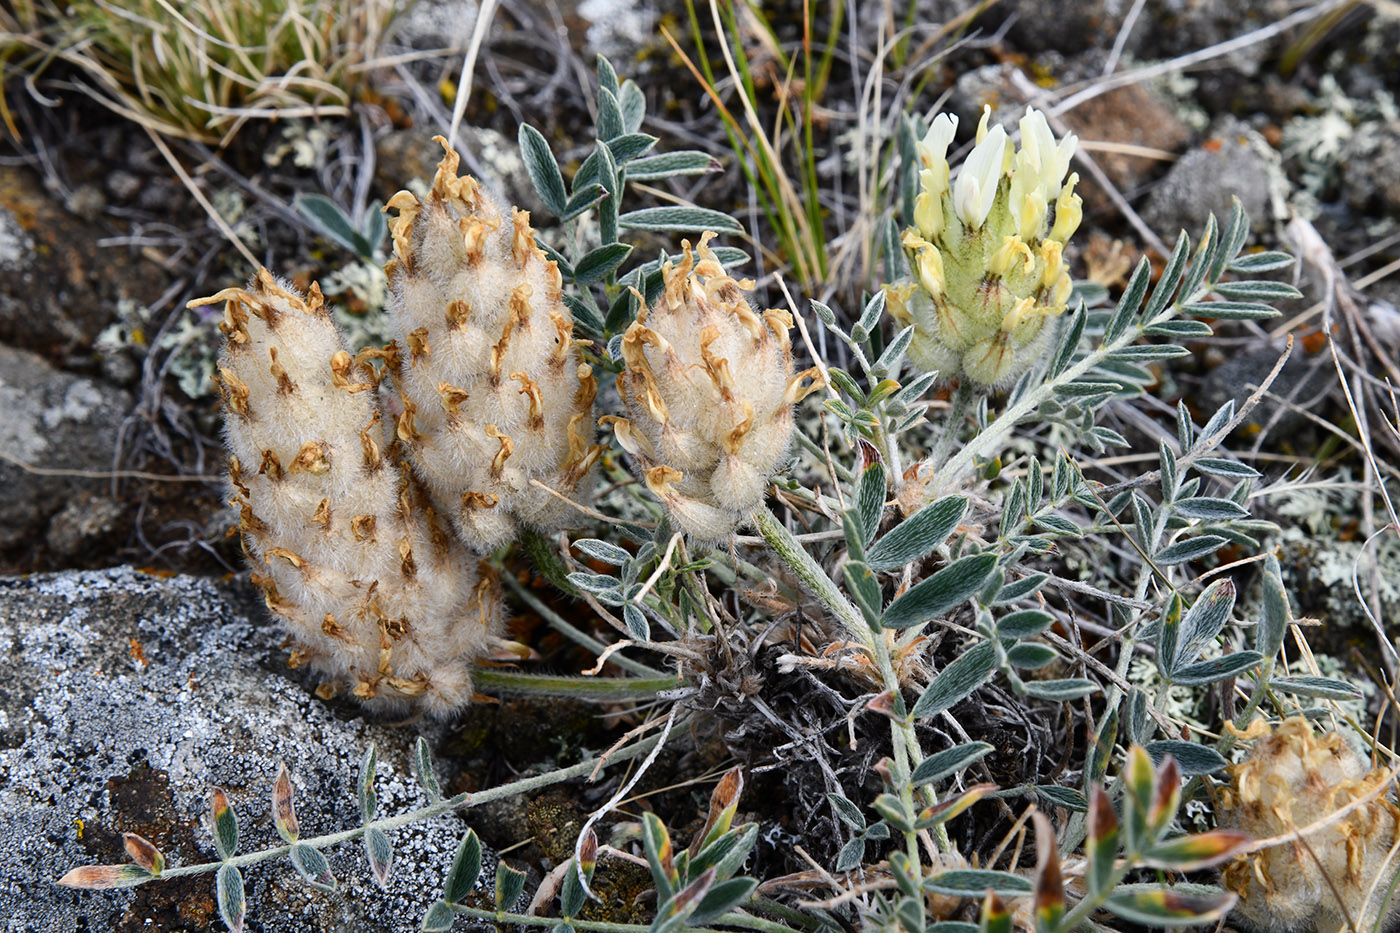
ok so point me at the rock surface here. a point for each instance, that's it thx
(1234, 161)
(52, 420)
(128, 697)
(58, 288)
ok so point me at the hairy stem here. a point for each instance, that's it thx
(906, 743)
(460, 801)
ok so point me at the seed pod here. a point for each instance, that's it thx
(1296, 780)
(496, 396)
(988, 267)
(343, 541)
(709, 388)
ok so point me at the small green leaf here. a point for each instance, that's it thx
(629, 146)
(369, 801)
(1208, 672)
(1258, 291)
(722, 898)
(1026, 623)
(919, 534)
(948, 762)
(465, 870)
(509, 884)
(1322, 688)
(233, 907)
(1269, 261)
(1061, 691)
(957, 681)
(600, 262)
(1190, 549)
(1209, 509)
(672, 164)
(1225, 468)
(1102, 845)
(423, 767)
(847, 812)
(1031, 656)
(542, 169)
(945, 590)
(332, 223)
(380, 854)
(438, 919)
(1066, 797)
(1232, 310)
(1193, 759)
(1192, 853)
(1273, 625)
(312, 866)
(1020, 589)
(679, 220)
(1163, 907)
(1049, 878)
(974, 881)
(223, 823)
(870, 500)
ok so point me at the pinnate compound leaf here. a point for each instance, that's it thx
(946, 589)
(233, 906)
(312, 866)
(957, 681)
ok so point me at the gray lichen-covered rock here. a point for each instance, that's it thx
(126, 698)
(53, 421)
(1235, 160)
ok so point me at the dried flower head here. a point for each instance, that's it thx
(496, 396)
(988, 263)
(345, 545)
(1295, 781)
(709, 386)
